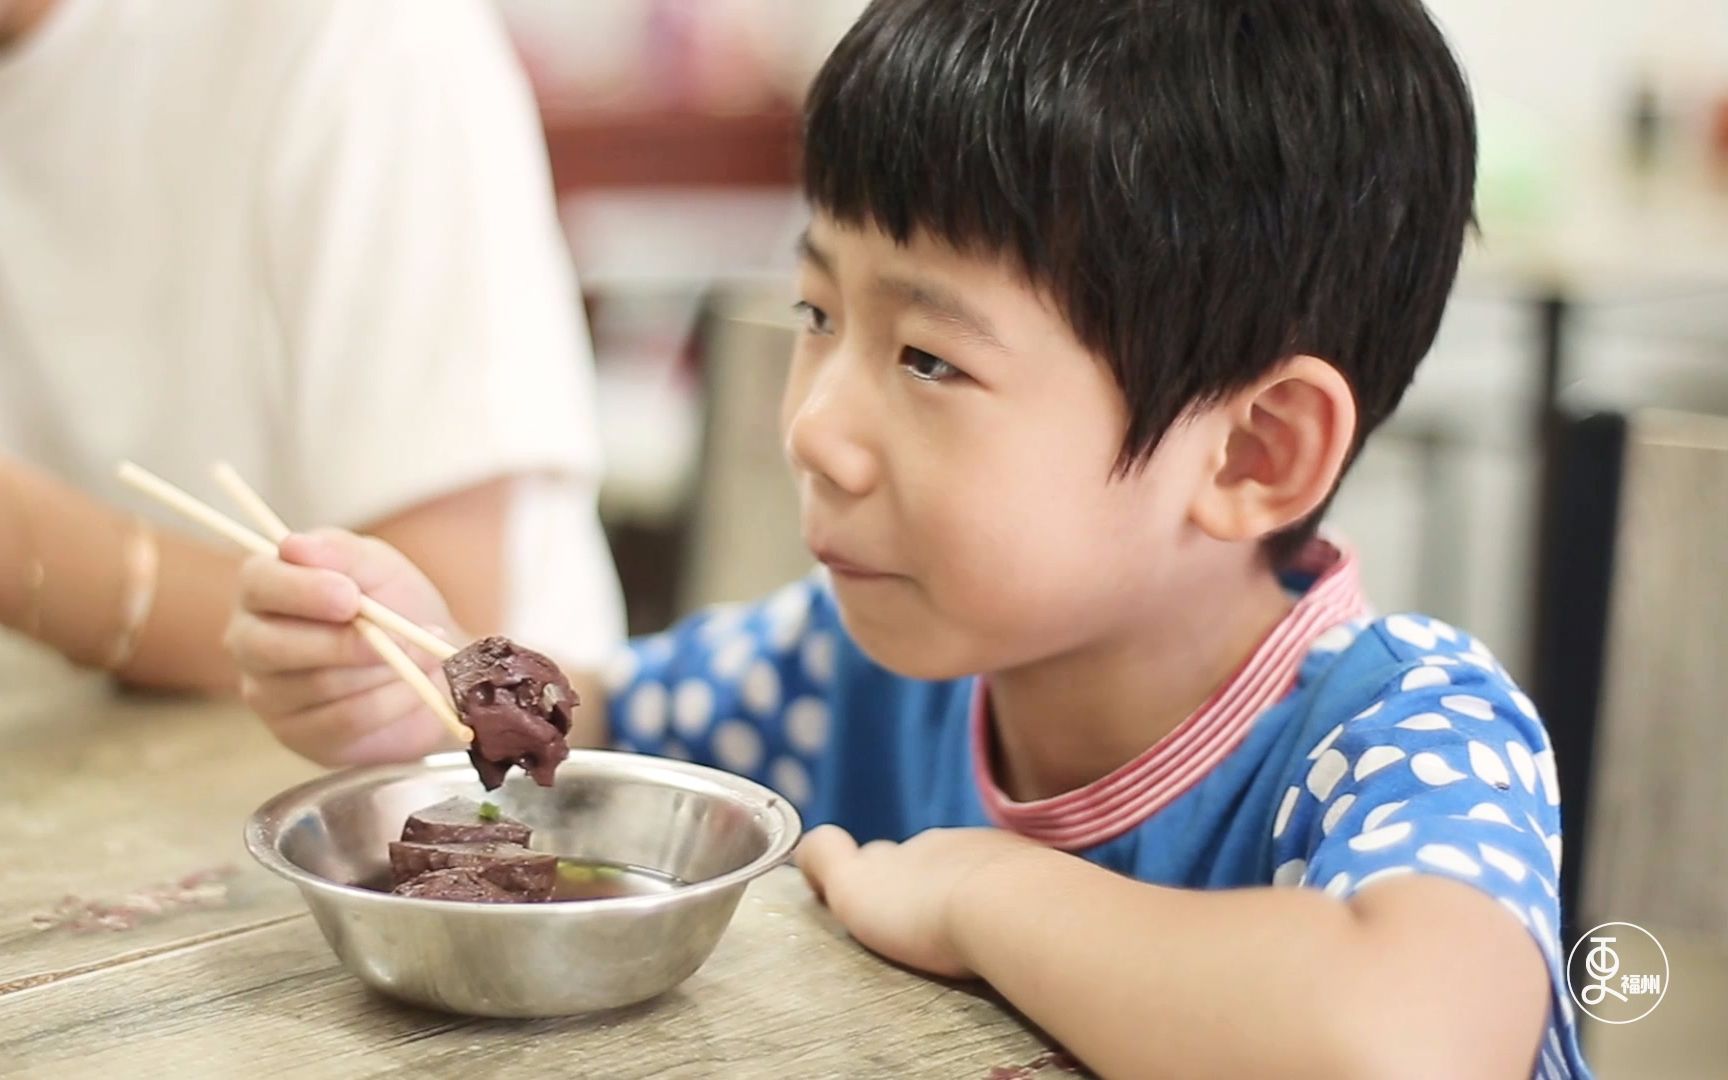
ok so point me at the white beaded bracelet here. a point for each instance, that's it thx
(139, 593)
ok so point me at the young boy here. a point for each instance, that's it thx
(1100, 300)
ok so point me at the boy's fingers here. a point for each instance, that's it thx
(330, 733)
(369, 561)
(292, 692)
(273, 587)
(274, 644)
(822, 853)
(411, 736)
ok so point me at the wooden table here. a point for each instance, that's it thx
(137, 938)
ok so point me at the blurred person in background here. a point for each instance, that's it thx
(314, 239)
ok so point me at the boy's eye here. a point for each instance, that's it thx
(922, 365)
(815, 320)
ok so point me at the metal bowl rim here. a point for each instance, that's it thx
(263, 829)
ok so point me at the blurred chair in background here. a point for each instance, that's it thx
(1656, 850)
(1658, 847)
(745, 536)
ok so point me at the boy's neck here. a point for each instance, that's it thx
(1066, 722)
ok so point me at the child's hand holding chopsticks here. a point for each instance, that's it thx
(311, 618)
(306, 670)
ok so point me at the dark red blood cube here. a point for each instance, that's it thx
(458, 821)
(528, 874)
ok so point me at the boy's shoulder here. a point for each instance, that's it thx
(1395, 665)
(1408, 708)
(1411, 718)
(1417, 753)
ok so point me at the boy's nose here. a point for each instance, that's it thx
(824, 434)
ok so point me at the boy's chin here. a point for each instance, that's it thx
(926, 653)
(909, 664)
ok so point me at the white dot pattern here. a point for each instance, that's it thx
(807, 725)
(1523, 764)
(1326, 743)
(1324, 776)
(1503, 862)
(1285, 809)
(741, 687)
(738, 747)
(791, 778)
(1488, 765)
(762, 688)
(1426, 676)
(720, 624)
(647, 712)
(1335, 813)
(1447, 857)
(1336, 639)
(818, 657)
(1489, 812)
(1428, 721)
(692, 708)
(733, 658)
(1376, 758)
(1434, 770)
(1382, 838)
(788, 616)
(619, 670)
(1376, 817)
(1468, 705)
(1550, 780)
(1412, 630)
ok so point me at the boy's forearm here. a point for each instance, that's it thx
(180, 648)
(77, 605)
(1145, 981)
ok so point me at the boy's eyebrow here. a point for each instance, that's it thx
(945, 305)
(810, 253)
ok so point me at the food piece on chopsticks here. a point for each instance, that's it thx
(528, 875)
(517, 702)
(457, 883)
(463, 821)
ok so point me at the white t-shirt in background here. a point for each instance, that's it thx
(314, 238)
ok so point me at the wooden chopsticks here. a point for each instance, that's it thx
(374, 618)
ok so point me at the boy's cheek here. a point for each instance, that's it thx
(792, 398)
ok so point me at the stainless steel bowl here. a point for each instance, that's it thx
(713, 830)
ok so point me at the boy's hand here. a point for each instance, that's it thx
(305, 669)
(900, 900)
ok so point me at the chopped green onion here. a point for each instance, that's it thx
(489, 812)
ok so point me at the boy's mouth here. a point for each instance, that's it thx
(840, 566)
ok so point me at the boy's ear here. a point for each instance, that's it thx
(1282, 444)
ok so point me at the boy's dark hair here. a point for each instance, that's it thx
(1204, 187)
